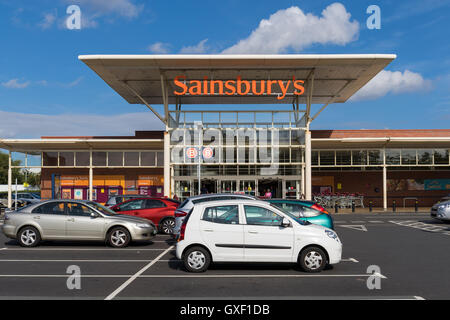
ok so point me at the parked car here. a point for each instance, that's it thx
(74, 220)
(158, 210)
(253, 231)
(113, 200)
(189, 203)
(441, 211)
(27, 195)
(306, 211)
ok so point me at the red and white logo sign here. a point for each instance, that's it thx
(208, 153)
(191, 153)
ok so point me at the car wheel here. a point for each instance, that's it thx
(119, 237)
(167, 226)
(196, 259)
(313, 259)
(29, 237)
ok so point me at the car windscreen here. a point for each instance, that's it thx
(106, 211)
(302, 222)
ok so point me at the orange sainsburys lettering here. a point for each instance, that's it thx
(237, 87)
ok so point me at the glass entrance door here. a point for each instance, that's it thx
(248, 187)
(228, 186)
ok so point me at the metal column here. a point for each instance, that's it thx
(167, 163)
(91, 177)
(9, 181)
(384, 187)
(308, 175)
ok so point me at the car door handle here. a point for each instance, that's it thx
(37, 218)
(208, 230)
(71, 219)
(253, 232)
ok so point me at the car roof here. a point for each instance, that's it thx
(230, 202)
(208, 195)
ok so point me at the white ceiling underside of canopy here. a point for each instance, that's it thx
(137, 77)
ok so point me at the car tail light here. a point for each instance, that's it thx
(319, 208)
(179, 214)
(182, 231)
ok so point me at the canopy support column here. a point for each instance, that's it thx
(9, 181)
(384, 181)
(91, 177)
(308, 173)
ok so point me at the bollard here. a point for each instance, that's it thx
(416, 206)
(336, 208)
(353, 206)
(394, 206)
(370, 206)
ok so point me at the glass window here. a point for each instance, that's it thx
(66, 159)
(78, 209)
(160, 159)
(296, 155)
(222, 214)
(359, 157)
(283, 136)
(314, 158)
(408, 156)
(424, 156)
(297, 137)
(133, 205)
(99, 159)
(50, 159)
(261, 216)
(131, 159)
(115, 159)
(50, 208)
(343, 158)
(82, 159)
(149, 158)
(441, 156)
(392, 156)
(375, 157)
(283, 156)
(150, 204)
(34, 159)
(326, 158)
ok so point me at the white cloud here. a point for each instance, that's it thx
(293, 29)
(15, 84)
(394, 82)
(159, 48)
(199, 48)
(21, 125)
(48, 21)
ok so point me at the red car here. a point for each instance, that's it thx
(158, 210)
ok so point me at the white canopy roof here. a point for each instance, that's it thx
(336, 76)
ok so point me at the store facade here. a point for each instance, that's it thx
(241, 124)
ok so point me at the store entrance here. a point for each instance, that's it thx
(270, 186)
(207, 186)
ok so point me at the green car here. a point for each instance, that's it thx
(305, 211)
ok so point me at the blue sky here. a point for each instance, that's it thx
(46, 90)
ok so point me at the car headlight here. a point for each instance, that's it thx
(332, 234)
(143, 225)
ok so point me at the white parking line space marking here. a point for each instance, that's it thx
(80, 249)
(135, 276)
(423, 226)
(359, 227)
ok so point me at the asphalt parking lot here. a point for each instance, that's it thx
(406, 255)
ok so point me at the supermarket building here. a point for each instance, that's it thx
(227, 146)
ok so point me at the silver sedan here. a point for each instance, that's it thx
(74, 220)
(441, 211)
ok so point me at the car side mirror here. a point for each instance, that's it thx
(285, 223)
(94, 215)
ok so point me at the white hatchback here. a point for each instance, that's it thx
(253, 231)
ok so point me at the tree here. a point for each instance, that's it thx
(16, 172)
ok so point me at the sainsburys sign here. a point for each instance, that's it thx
(237, 87)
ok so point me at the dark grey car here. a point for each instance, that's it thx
(74, 220)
